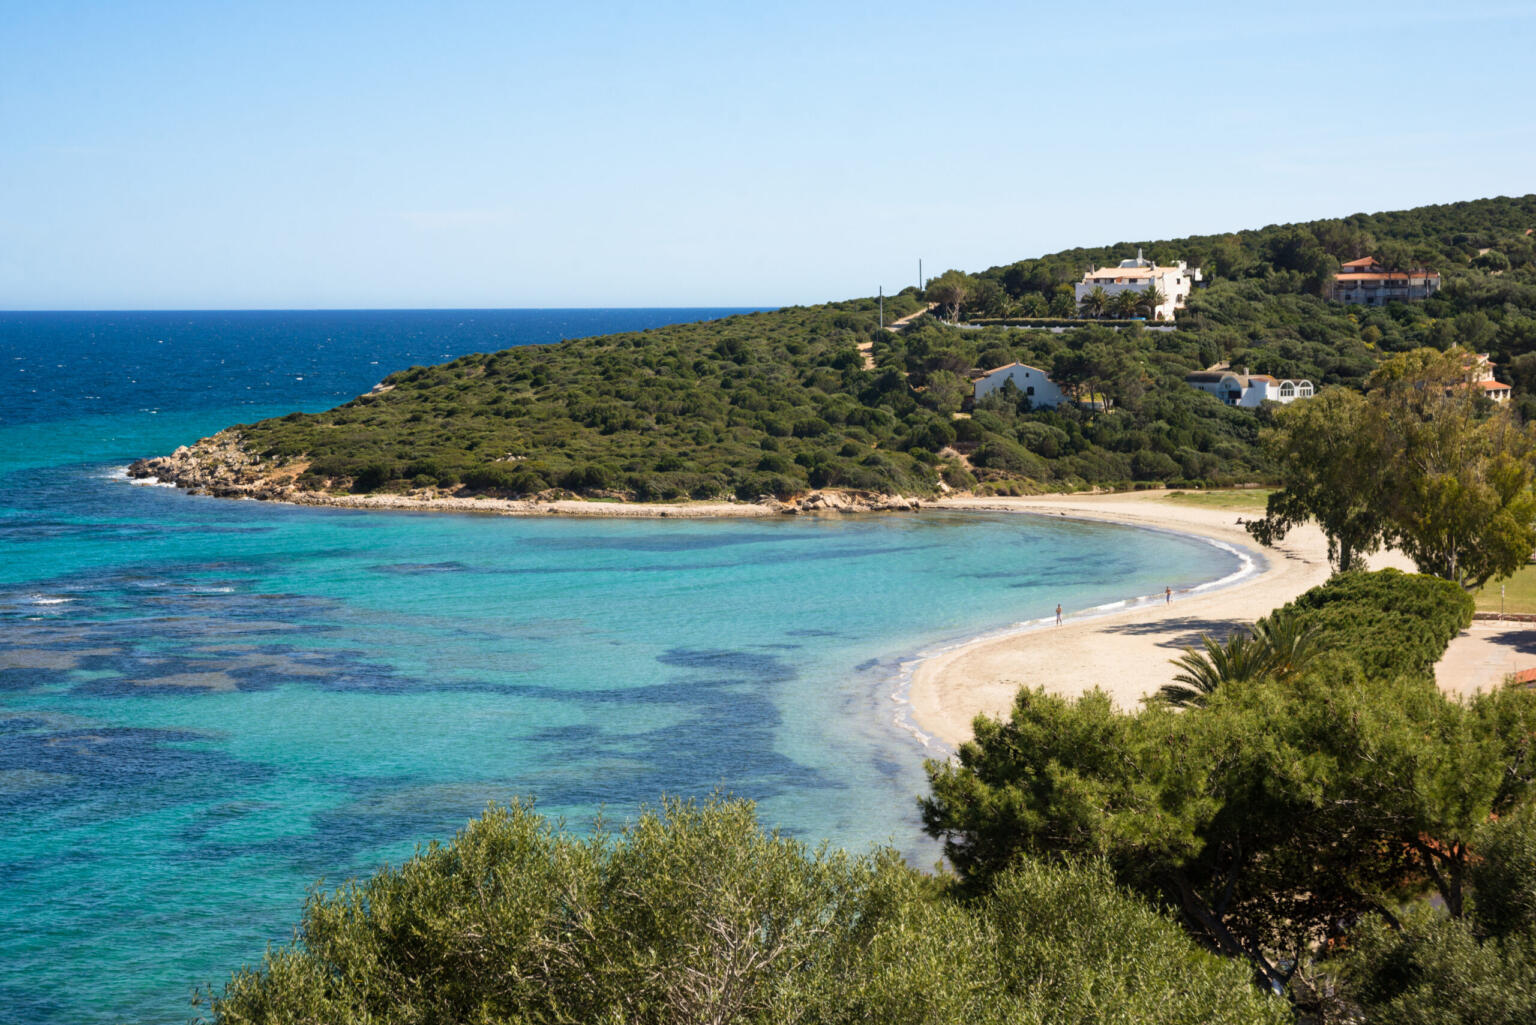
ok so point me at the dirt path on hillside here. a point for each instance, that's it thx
(866, 349)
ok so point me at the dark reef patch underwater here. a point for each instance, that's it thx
(206, 706)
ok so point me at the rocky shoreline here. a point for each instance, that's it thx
(221, 466)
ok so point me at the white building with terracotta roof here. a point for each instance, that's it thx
(1032, 381)
(1480, 375)
(1248, 390)
(1140, 275)
(1365, 282)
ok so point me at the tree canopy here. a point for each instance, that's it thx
(1420, 461)
(1271, 818)
(695, 914)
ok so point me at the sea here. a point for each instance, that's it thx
(209, 708)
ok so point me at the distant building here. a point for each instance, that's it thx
(1247, 390)
(1032, 381)
(1365, 282)
(1140, 275)
(1480, 375)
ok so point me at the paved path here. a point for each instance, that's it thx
(1480, 657)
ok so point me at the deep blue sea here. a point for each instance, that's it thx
(206, 706)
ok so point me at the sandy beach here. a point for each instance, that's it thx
(1126, 652)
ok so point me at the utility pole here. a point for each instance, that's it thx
(919, 273)
(882, 307)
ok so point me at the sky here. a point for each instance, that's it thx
(266, 155)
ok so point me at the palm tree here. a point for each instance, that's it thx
(1125, 304)
(1239, 659)
(1279, 647)
(1291, 641)
(1147, 302)
(1095, 302)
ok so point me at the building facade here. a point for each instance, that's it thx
(1140, 275)
(1032, 381)
(1480, 376)
(1248, 390)
(1365, 282)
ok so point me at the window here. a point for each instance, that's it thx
(1030, 390)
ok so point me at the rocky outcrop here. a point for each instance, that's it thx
(221, 466)
(847, 502)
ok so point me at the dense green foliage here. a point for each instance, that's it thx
(1392, 623)
(1476, 969)
(1278, 647)
(696, 915)
(1265, 308)
(1273, 816)
(778, 403)
(1420, 462)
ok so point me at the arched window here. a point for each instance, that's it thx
(1287, 390)
(1304, 389)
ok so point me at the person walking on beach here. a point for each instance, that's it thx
(1167, 596)
(1058, 614)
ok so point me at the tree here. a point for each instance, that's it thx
(1270, 820)
(1417, 462)
(1457, 485)
(1280, 645)
(988, 298)
(1094, 303)
(695, 914)
(1272, 817)
(1330, 463)
(951, 290)
(1394, 255)
(1125, 304)
(1475, 969)
(1149, 300)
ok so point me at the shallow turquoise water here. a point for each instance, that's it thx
(205, 706)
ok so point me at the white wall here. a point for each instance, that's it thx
(1256, 392)
(1174, 282)
(1032, 381)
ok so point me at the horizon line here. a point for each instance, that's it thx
(375, 309)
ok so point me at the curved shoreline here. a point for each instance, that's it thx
(1123, 649)
(1251, 564)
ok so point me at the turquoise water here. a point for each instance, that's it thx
(206, 706)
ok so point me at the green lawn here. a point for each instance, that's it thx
(1519, 593)
(1247, 499)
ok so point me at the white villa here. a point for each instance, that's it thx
(1480, 375)
(1139, 275)
(1032, 381)
(1247, 390)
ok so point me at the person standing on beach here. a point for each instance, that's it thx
(1058, 614)
(1167, 596)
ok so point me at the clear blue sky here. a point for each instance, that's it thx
(196, 155)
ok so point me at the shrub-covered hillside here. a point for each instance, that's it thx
(820, 397)
(1266, 306)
